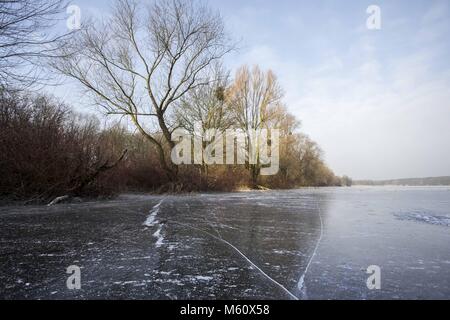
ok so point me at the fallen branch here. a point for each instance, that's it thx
(87, 180)
(58, 200)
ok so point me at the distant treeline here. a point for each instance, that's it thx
(432, 181)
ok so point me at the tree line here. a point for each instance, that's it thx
(160, 66)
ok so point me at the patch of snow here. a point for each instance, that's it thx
(151, 219)
(124, 283)
(202, 278)
(166, 273)
(159, 237)
(136, 258)
(172, 247)
(172, 281)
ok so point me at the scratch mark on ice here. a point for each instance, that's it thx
(301, 281)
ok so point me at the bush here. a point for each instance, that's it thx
(45, 149)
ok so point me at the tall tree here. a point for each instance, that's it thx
(204, 110)
(254, 98)
(140, 62)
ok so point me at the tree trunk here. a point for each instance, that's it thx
(254, 174)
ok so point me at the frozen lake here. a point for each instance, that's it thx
(298, 244)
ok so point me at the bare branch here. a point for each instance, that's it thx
(140, 63)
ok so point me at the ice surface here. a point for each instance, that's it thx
(252, 245)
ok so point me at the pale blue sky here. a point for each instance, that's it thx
(378, 102)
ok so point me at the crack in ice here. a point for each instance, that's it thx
(243, 255)
(301, 282)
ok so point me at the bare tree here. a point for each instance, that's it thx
(27, 36)
(140, 63)
(203, 110)
(254, 98)
(289, 137)
(310, 160)
(206, 105)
